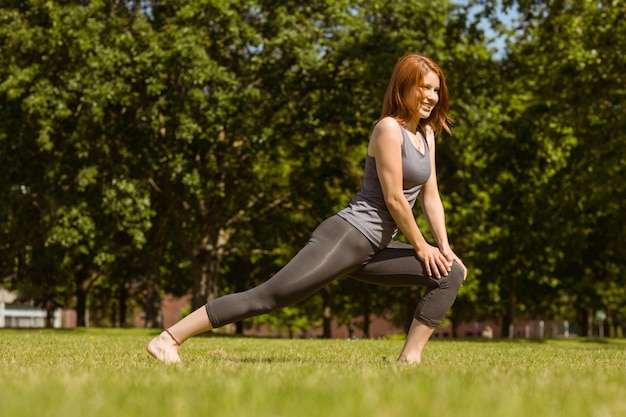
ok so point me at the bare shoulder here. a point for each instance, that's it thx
(386, 135)
(387, 126)
(387, 130)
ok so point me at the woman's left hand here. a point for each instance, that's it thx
(452, 257)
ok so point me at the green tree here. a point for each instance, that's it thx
(65, 94)
(556, 168)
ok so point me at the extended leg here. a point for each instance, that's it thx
(335, 249)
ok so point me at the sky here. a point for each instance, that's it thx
(498, 42)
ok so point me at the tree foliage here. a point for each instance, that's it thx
(556, 165)
(176, 146)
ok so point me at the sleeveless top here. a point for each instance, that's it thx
(368, 212)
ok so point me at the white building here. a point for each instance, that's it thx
(21, 315)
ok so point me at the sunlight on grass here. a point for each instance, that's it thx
(100, 372)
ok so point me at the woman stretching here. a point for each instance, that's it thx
(358, 241)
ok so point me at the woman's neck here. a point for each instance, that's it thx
(412, 126)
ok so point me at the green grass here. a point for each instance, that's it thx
(104, 373)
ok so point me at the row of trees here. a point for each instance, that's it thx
(174, 146)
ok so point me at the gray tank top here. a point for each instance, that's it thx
(368, 211)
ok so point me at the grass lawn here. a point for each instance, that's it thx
(106, 372)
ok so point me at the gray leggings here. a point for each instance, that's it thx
(335, 249)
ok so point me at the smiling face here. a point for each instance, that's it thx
(428, 94)
(417, 92)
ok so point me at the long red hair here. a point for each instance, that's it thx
(400, 102)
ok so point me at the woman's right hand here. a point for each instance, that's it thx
(437, 265)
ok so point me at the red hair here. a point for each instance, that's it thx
(400, 103)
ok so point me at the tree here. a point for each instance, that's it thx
(68, 124)
(556, 171)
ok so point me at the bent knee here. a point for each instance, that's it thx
(455, 277)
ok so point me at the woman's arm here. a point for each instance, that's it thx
(433, 208)
(386, 146)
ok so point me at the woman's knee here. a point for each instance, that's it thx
(262, 301)
(454, 279)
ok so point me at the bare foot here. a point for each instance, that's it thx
(406, 360)
(164, 348)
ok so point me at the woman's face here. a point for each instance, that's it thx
(428, 93)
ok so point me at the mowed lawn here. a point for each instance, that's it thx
(106, 372)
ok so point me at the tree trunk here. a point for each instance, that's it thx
(506, 326)
(509, 316)
(239, 287)
(152, 307)
(50, 307)
(114, 312)
(81, 301)
(83, 283)
(367, 311)
(453, 326)
(123, 305)
(207, 260)
(327, 313)
(366, 324)
(586, 322)
(239, 328)
(206, 266)
(153, 254)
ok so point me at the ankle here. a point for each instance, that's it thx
(171, 337)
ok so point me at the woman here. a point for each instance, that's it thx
(357, 241)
